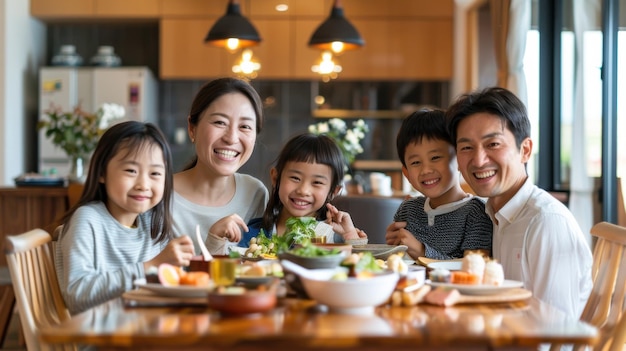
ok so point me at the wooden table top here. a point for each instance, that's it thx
(303, 324)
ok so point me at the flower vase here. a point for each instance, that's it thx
(77, 170)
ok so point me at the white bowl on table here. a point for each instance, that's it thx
(352, 295)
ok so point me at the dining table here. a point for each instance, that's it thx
(304, 324)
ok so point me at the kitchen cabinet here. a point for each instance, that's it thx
(184, 55)
(62, 8)
(195, 8)
(26, 208)
(420, 49)
(91, 9)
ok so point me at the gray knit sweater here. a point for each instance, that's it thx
(448, 230)
(98, 258)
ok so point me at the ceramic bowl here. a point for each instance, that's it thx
(347, 248)
(318, 262)
(352, 295)
(239, 300)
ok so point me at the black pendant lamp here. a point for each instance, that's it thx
(336, 33)
(233, 31)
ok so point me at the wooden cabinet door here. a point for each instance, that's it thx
(184, 55)
(62, 8)
(193, 8)
(303, 57)
(373, 60)
(420, 49)
(274, 51)
(126, 8)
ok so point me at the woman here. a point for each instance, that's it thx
(225, 118)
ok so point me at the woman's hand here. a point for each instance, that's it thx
(178, 252)
(229, 228)
(342, 223)
(397, 235)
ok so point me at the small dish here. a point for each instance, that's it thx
(449, 265)
(480, 289)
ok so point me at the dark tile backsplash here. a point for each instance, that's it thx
(288, 104)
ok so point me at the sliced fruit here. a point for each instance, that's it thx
(169, 275)
(195, 279)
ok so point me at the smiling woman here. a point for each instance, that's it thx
(225, 117)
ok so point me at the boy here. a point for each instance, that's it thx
(446, 222)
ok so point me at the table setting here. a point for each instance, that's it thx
(319, 297)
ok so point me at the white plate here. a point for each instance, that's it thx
(449, 265)
(175, 291)
(480, 289)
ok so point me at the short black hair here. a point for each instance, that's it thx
(425, 123)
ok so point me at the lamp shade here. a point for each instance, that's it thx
(336, 28)
(233, 26)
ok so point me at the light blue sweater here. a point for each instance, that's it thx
(97, 258)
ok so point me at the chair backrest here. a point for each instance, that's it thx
(605, 306)
(37, 293)
(373, 214)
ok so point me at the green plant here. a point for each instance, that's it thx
(349, 140)
(77, 132)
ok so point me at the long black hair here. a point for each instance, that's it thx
(129, 137)
(309, 148)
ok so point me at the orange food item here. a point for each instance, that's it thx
(195, 279)
(460, 277)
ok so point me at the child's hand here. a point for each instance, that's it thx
(229, 228)
(342, 223)
(178, 252)
(398, 235)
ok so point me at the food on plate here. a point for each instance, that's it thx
(461, 277)
(474, 264)
(440, 275)
(409, 297)
(442, 297)
(396, 263)
(361, 265)
(170, 275)
(494, 273)
(195, 278)
(253, 271)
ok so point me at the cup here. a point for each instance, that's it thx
(223, 271)
(318, 240)
(198, 264)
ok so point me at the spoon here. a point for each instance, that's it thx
(311, 274)
(206, 255)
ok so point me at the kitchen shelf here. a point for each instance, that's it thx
(381, 114)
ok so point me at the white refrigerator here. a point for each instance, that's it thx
(134, 88)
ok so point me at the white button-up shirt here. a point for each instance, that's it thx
(539, 242)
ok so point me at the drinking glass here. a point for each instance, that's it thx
(223, 271)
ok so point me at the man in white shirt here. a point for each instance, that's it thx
(535, 236)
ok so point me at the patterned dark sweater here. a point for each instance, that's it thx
(448, 230)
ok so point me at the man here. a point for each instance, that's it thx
(535, 236)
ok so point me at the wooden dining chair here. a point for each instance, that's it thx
(605, 306)
(35, 284)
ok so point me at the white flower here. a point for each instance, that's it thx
(348, 140)
(110, 114)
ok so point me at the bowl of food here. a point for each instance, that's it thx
(342, 294)
(314, 257)
(238, 300)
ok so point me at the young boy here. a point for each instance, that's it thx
(446, 222)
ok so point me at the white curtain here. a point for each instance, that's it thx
(586, 18)
(519, 25)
